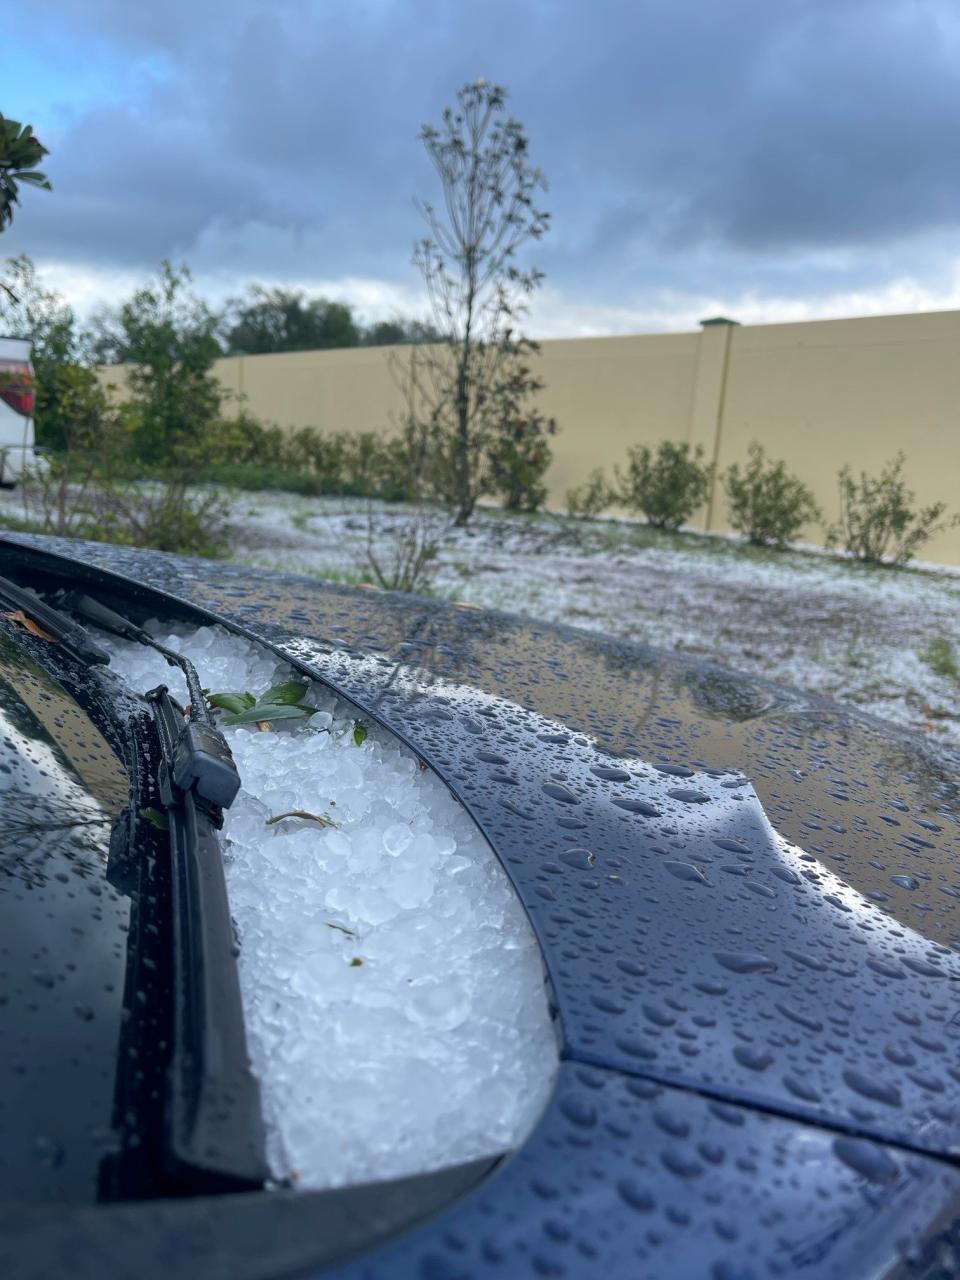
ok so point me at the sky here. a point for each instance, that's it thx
(768, 160)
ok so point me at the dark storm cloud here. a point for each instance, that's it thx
(683, 141)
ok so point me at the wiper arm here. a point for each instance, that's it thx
(64, 630)
(215, 1137)
(110, 620)
(201, 757)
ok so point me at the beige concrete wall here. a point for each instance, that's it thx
(349, 390)
(609, 393)
(817, 394)
(606, 393)
(832, 391)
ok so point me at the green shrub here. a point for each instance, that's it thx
(878, 523)
(164, 516)
(397, 477)
(362, 464)
(766, 503)
(517, 465)
(255, 478)
(314, 453)
(247, 442)
(587, 500)
(175, 399)
(400, 467)
(667, 486)
(941, 657)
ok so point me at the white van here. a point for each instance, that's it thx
(17, 446)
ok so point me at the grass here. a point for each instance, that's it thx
(941, 657)
(255, 478)
(18, 525)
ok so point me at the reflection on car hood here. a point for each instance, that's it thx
(63, 929)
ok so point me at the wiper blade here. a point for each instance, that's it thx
(215, 1137)
(64, 630)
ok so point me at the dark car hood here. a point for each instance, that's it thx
(740, 891)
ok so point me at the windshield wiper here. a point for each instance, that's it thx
(215, 1137)
(57, 625)
(214, 1128)
(201, 758)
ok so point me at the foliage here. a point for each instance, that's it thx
(271, 320)
(401, 330)
(55, 495)
(878, 523)
(73, 417)
(60, 493)
(90, 485)
(518, 463)
(286, 320)
(71, 406)
(20, 153)
(38, 314)
(667, 486)
(586, 501)
(90, 490)
(401, 556)
(170, 337)
(173, 424)
(767, 503)
(282, 702)
(466, 394)
(362, 464)
(508, 461)
(166, 515)
(254, 478)
(103, 339)
(519, 453)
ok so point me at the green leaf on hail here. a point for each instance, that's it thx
(290, 692)
(268, 711)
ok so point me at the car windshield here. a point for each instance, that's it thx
(63, 941)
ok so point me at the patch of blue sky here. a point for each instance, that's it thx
(51, 79)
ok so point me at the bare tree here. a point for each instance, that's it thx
(401, 555)
(465, 387)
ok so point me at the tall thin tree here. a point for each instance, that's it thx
(470, 387)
